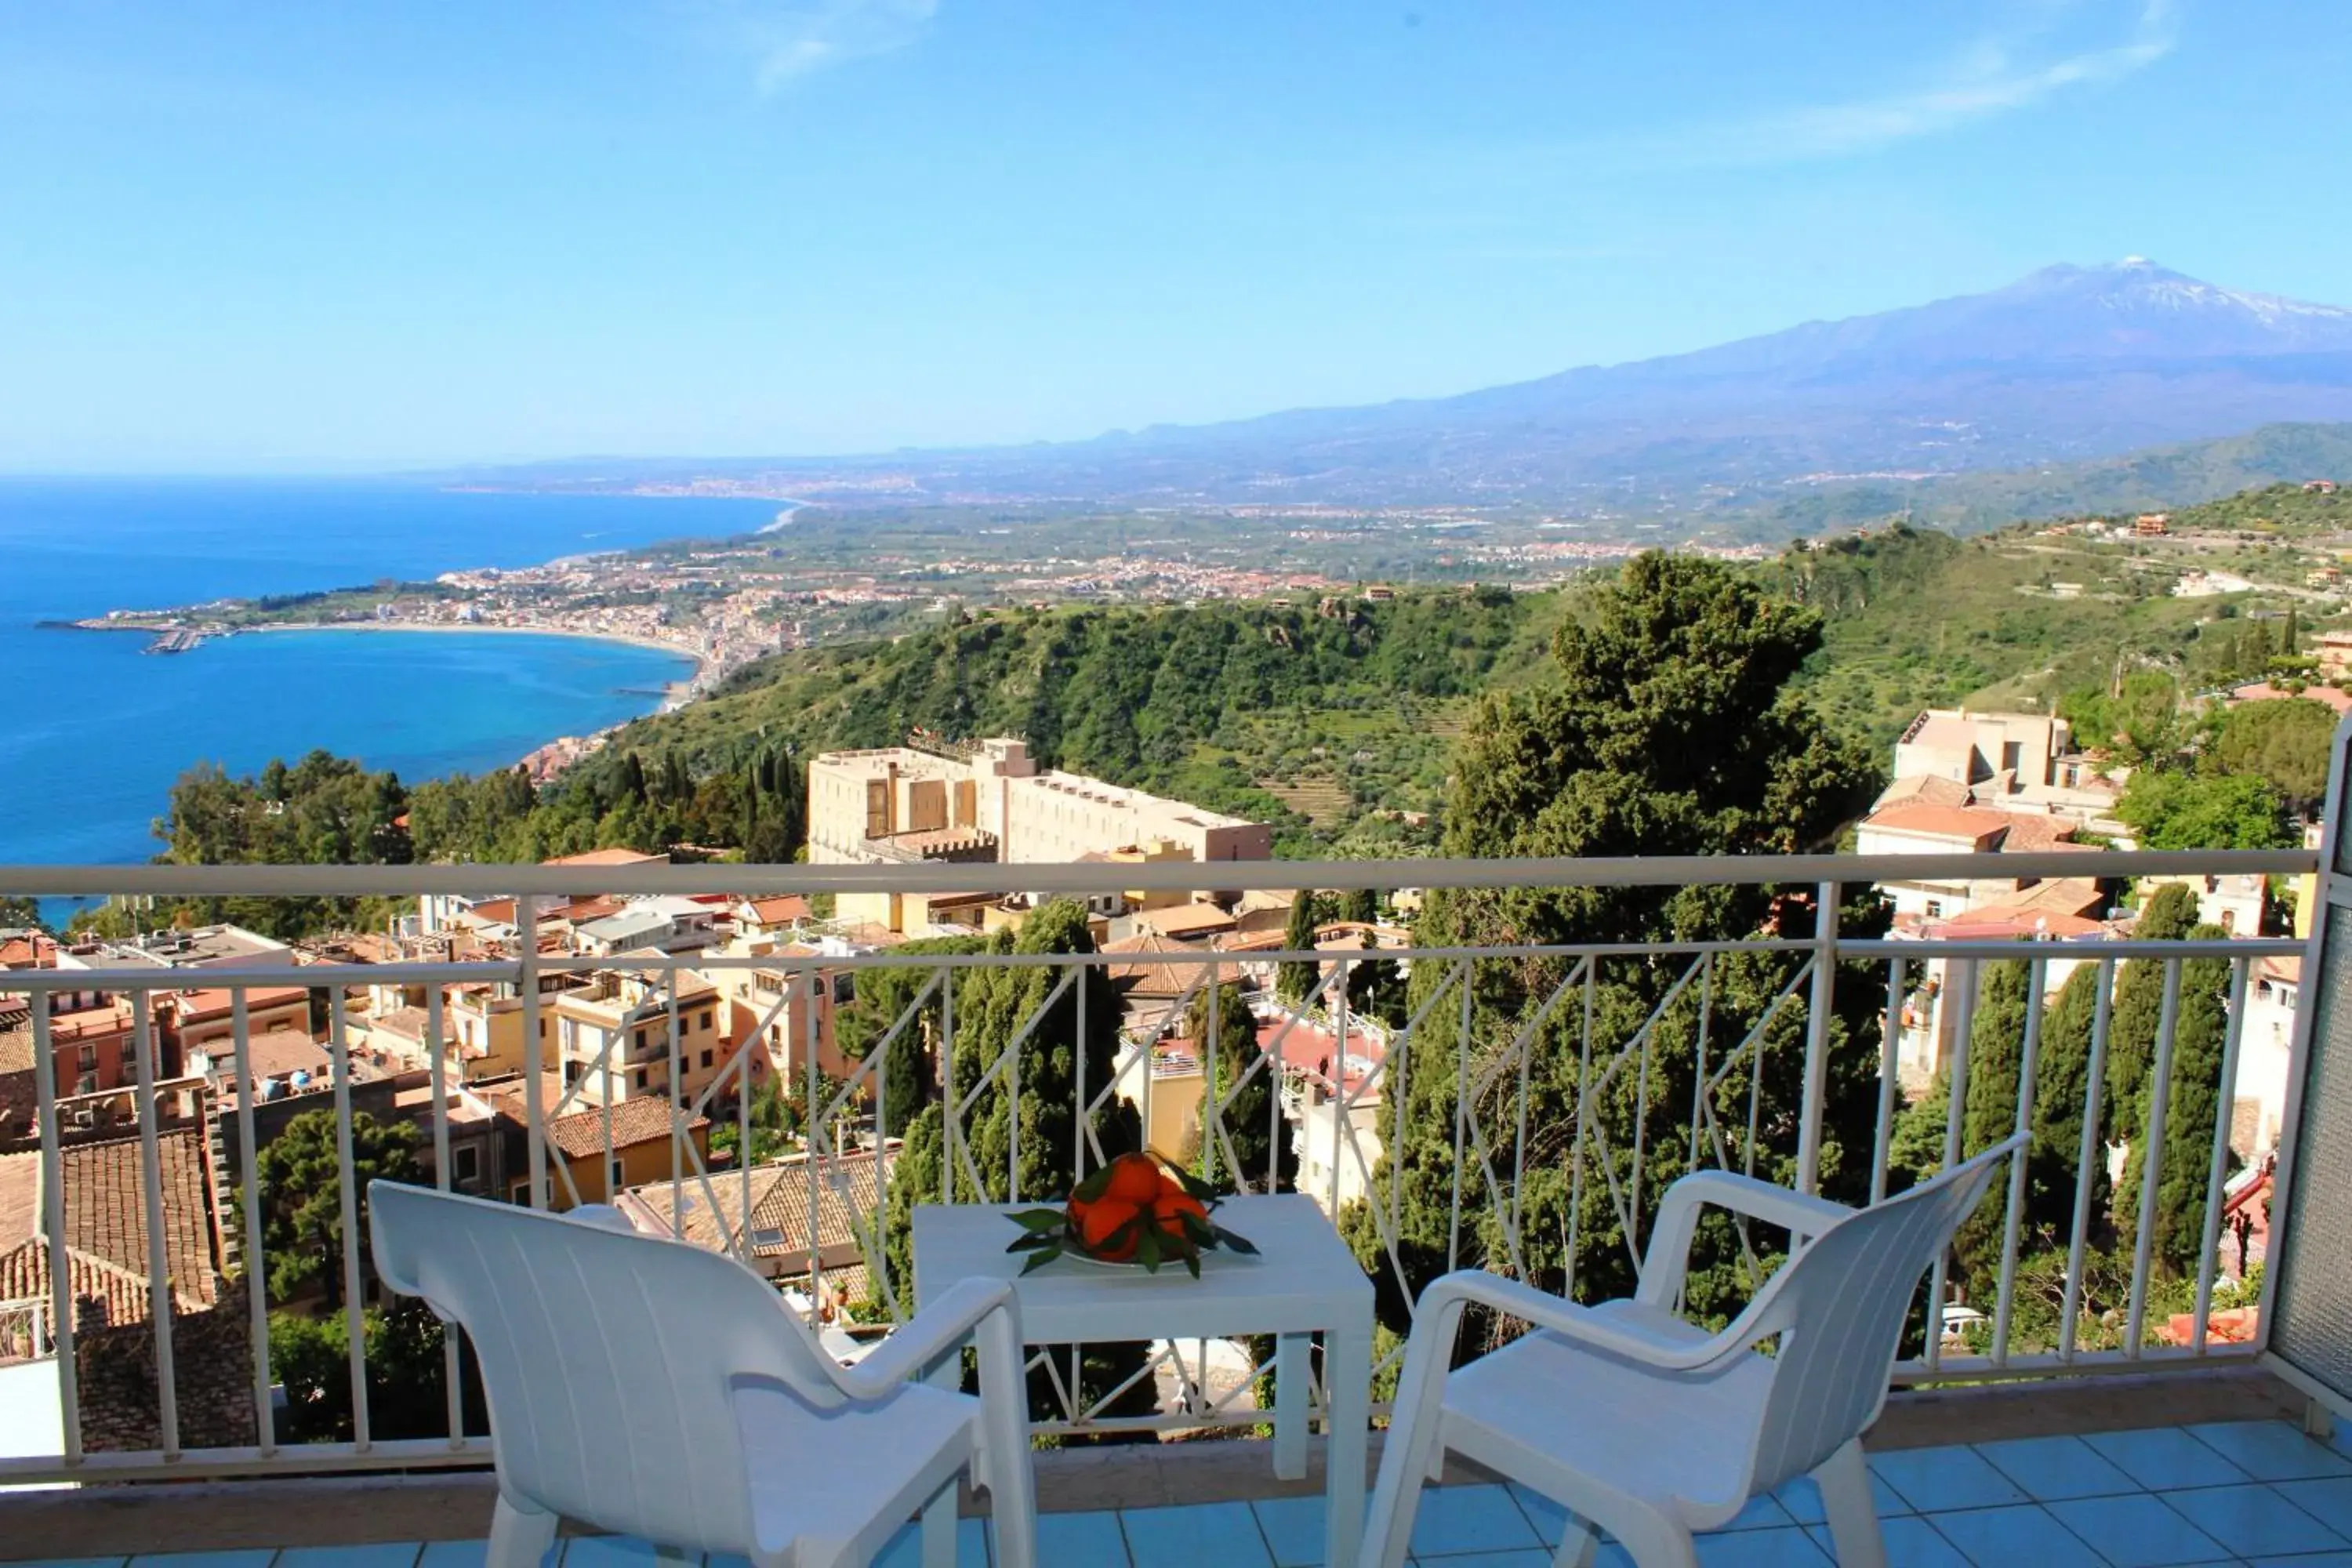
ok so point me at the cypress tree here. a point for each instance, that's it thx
(2192, 1104)
(1294, 980)
(1248, 1111)
(2138, 1010)
(2060, 1090)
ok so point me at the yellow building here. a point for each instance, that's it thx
(640, 1151)
(612, 1034)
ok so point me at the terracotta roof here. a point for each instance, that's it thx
(609, 858)
(106, 1221)
(1185, 920)
(1149, 975)
(203, 1006)
(27, 952)
(1940, 821)
(1926, 789)
(2009, 920)
(121, 1295)
(2031, 831)
(2287, 969)
(273, 1053)
(408, 1022)
(581, 1135)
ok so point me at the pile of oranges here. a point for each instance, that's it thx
(1138, 1191)
(1136, 1209)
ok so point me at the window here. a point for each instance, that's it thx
(844, 988)
(466, 1168)
(130, 1054)
(1935, 909)
(706, 1059)
(706, 1021)
(641, 1039)
(87, 1056)
(641, 1080)
(613, 1181)
(86, 1084)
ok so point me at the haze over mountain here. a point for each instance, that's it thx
(2068, 364)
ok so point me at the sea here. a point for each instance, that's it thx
(93, 732)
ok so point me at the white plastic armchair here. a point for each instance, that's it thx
(1641, 1424)
(651, 1388)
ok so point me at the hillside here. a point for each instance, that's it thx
(1342, 707)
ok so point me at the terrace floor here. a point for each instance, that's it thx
(2244, 1486)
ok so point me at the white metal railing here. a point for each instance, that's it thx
(1735, 1055)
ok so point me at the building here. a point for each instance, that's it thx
(987, 801)
(851, 1190)
(1978, 748)
(2334, 650)
(612, 1035)
(637, 1133)
(1925, 827)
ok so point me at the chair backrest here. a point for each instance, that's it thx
(1838, 1311)
(608, 1359)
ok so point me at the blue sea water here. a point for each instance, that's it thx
(93, 732)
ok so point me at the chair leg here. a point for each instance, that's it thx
(1406, 1458)
(1654, 1541)
(1012, 1514)
(519, 1538)
(1578, 1542)
(1852, 1511)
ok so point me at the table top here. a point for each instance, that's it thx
(1304, 1277)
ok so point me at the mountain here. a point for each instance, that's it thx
(2067, 365)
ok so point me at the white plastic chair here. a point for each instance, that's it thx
(1641, 1424)
(651, 1388)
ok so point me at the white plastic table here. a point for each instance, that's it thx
(1304, 1282)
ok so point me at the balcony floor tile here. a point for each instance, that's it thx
(2328, 1502)
(1785, 1547)
(1097, 1538)
(1936, 1480)
(1910, 1543)
(2164, 1459)
(460, 1555)
(380, 1556)
(1802, 1500)
(203, 1560)
(2014, 1537)
(2053, 1467)
(1220, 1532)
(2272, 1450)
(1453, 1520)
(2139, 1531)
(2254, 1521)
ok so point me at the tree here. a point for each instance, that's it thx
(1257, 1152)
(2192, 1103)
(1996, 1061)
(2138, 1009)
(21, 914)
(2061, 1092)
(408, 1375)
(2205, 811)
(301, 1195)
(773, 1122)
(2285, 742)
(1294, 980)
(1670, 727)
(1072, 1039)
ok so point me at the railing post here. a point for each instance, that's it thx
(535, 1041)
(1817, 1037)
(53, 1226)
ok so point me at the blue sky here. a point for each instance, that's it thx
(247, 236)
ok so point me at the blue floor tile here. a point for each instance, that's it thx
(1293, 1528)
(73, 1562)
(2165, 1458)
(1220, 1532)
(1761, 1513)
(2328, 1502)
(2137, 1531)
(2026, 1536)
(1525, 1557)
(1544, 1515)
(453, 1554)
(1934, 1481)
(1787, 1547)
(1082, 1538)
(203, 1559)
(1455, 1520)
(1802, 1500)
(2307, 1560)
(1910, 1543)
(905, 1550)
(2270, 1450)
(2254, 1521)
(383, 1556)
(2053, 1467)
(607, 1552)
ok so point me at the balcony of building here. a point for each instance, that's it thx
(2085, 1382)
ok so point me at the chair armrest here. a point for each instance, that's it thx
(1601, 1331)
(943, 1326)
(1663, 1265)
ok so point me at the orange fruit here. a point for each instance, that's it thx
(1169, 1182)
(1171, 1208)
(1135, 1178)
(1102, 1221)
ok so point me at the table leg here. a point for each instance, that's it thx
(1346, 1381)
(1294, 1372)
(938, 1526)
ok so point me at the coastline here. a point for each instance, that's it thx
(700, 660)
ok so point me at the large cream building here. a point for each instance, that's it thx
(989, 802)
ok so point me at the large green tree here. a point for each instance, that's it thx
(2061, 1093)
(2167, 810)
(1669, 726)
(2285, 742)
(1257, 1152)
(1294, 980)
(301, 1196)
(2192, 1104)
(2138, 1010)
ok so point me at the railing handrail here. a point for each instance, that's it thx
(487, 879)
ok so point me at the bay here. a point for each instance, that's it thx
(93, 732)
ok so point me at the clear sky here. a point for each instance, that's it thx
(280, 235)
